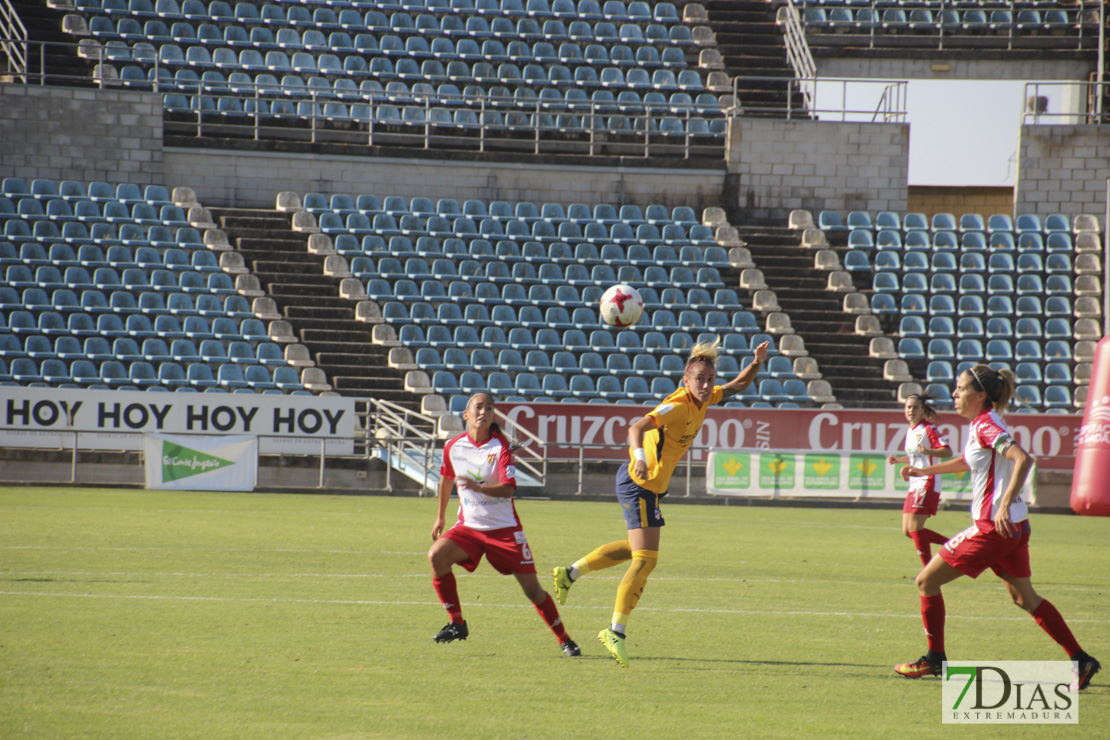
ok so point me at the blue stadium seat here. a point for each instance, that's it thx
(1058, 397)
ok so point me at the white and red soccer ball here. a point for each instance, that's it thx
(621, 306)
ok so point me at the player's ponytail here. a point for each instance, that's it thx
(998, 385)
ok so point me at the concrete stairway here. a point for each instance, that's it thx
(752, 46)
(57, 56)
(817, 316)
(309, 300)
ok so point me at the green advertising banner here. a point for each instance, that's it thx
(822, 472)
(776, 470)
(866, 472)
(804, 473)
(732, 471)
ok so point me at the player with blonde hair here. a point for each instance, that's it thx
(656, 444)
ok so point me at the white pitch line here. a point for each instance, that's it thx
(374, 602)
(744, 579)
(761, 564)
(55, 548)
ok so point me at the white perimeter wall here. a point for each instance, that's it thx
(1063, 169)
(817, 165)
(85, 134)
(252, 179)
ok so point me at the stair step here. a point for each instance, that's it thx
(323, 288)
(330, 336)
(306, 324)
(273, 267)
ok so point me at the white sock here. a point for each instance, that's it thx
(573, 573)
(617, 628)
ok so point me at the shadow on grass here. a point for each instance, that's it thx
(645, 659)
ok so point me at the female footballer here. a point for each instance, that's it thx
(480, 464)
(999, 536)
(922, 442)
(656, 444)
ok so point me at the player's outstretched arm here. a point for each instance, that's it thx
(747, 376)
(952, 465)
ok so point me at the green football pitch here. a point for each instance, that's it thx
(137, 614)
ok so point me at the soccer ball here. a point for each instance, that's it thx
(621, 306)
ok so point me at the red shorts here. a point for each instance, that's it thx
(922, 502)
(972, 551)
(506, 549)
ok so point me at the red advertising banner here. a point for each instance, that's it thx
(564, 426)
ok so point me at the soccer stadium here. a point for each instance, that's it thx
(260, 257)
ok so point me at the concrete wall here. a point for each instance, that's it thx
(80, 134)
(960, 200)
(252, 179)
(954, 66)
(1063, 169)
(781, 165)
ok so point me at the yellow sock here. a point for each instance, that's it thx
(605, 556)
(632, 585)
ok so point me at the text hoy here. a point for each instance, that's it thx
(152, 417)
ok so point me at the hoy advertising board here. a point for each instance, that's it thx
(117, 420)
(564, 426)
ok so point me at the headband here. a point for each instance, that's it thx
(982, 387)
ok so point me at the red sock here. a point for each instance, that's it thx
(932, 614)
(1053, 623)
(448, 594)
(935, 538)
(921, 543)
(549, 612)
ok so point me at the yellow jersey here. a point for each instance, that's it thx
(679, 420)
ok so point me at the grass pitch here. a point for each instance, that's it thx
(136, 614)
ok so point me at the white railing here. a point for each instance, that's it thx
(944, 32)
(425, 120)
(797, 49)
(398, 434)
(13, 41)
(1080, 103)
(836, 99)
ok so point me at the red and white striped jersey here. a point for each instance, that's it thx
(488, 463)
(923, 434)
(988, 439)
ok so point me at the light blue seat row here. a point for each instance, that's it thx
(181, 44)
(402, 24)
(966, 223)
(124, 301)
(613, 10)
(949, 21)
(145, 375)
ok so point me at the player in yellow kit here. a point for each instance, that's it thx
(656, 444)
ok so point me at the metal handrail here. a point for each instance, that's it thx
(1093, 94)
(891, 98)
(797, 50)
(893, 102)
(389, 425)
(370, 128)
(1079, 21)
(13, 40)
